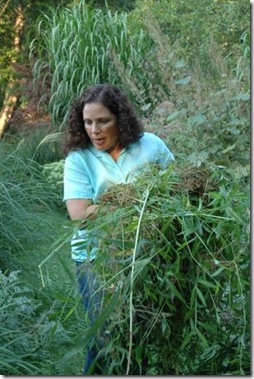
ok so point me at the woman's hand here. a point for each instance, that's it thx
(81, 209)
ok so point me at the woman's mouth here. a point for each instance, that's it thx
(98, 141)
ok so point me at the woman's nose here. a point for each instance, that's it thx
(95, 127)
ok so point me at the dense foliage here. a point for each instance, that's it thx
(82, 45)
(174, 253)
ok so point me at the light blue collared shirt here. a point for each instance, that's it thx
(88, 173)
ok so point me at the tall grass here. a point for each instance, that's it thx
(24, 197)
(38, 324)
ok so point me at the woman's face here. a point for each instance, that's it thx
(101, 127)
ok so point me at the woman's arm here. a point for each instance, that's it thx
(81, 209)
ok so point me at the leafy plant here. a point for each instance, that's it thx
(195, 111)
(53, 173)
(192, 27)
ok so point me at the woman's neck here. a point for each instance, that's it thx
(114, 151)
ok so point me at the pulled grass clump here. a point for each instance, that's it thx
(175, 255)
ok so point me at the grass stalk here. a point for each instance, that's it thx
(147, 192)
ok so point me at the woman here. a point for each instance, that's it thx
(105, 145)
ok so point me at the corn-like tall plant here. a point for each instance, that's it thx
(74, 48)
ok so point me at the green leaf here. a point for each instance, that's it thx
(180, 63)
(91, 332)
(198, 119)
(187, 340)
(219, 271)
(183, 81)
(201, 297)
(229, 148)
(206, 284)
(209, 327)
(243, 96)
(146, 107)
(175, 291)
(234, 215)
(139, 265)
(163, 325)
(202, 337)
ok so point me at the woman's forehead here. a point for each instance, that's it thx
(96, 109)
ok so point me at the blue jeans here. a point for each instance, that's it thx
(88, 284)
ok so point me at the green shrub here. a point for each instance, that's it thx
(39, 309)
(202, 119)
(53, 174)
(192, 27)
(8, 53)
(215, 129)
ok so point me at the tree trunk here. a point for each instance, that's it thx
(10, 99)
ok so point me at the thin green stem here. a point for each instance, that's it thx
(147, 192)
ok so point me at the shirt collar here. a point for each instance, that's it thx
(102, 154)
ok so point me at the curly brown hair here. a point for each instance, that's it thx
(130, 126)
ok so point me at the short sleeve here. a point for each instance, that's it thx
(77, 183)
(164, 156)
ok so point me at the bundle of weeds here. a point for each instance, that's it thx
(191, 181)
(177, 256)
